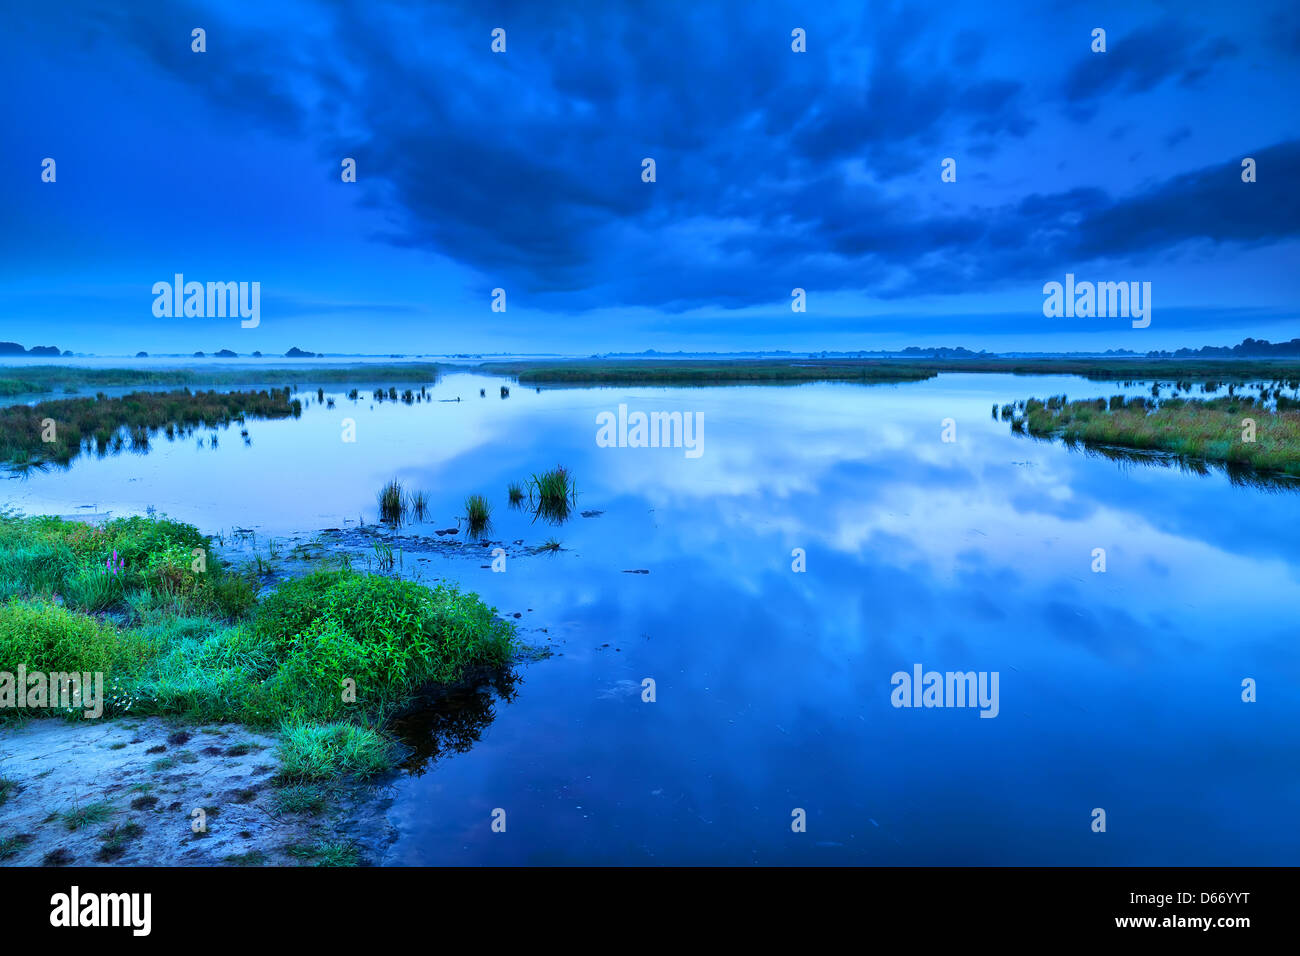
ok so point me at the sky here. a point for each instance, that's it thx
(522, 170)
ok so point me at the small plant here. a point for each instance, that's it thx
(392, 503)
(8, 788)
(95, 812)
(251, 858)
(552, 545)
(554, 486)
(116, 838)
(327, 853)
(553, 491)
(57, 857)
(383, 556)
(419, 505)
(10, 845)
(478, 512)
(326, 751)
(516, 492)
(300, 798)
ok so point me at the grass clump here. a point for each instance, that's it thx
(116, 838)
(251, 858)
(327, 853)
(419, 504)
(389, 637)
(90, 813)
(8, 788)
(392, 503)
(10, 845)
(328, 751)
(555, 486)
(516, 492)
(552, 493)
(300, 798)
(478, 512)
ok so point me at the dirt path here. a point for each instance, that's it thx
(124, 793)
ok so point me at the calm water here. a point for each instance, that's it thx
(1119, 690)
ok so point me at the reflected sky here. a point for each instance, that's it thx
(1118, 690)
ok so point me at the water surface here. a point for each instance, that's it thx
(1118, 690)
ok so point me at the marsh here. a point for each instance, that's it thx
(1119, 689)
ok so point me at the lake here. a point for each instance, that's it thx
(1119, 690)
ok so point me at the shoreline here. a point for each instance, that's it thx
(123, 789)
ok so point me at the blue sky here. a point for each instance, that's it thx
(522, 170)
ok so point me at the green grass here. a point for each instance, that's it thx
(308, 798)
(128, 565)
(116, 838)
(37, 379)
(199, 645)
(251, 858)
(478, 512)
(552, 545)
(327, 853)
(284, 665)
(1210, 431)
(328, 751)
(554, 486)
(99, 424)
(10, 845)
(8, 787)
(552, 494)
(87, 814)
(392, 503)
(516, 492)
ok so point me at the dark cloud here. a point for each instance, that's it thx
(1139, 61)
(774, 168)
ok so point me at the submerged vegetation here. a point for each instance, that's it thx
(478, 512)
(555, 486)
(419, 504)
(392, 503)
(57, 430)
(1234, 430)
(552, 493)
(327, 657)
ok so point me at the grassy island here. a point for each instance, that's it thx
(1234, 430)
(57, 430)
